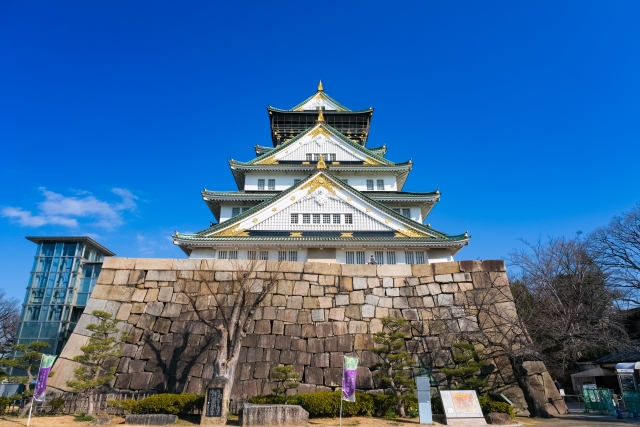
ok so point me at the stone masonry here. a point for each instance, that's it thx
(317, 313)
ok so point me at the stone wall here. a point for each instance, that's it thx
(317, 313)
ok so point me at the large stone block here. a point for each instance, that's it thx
(118, 263)
(322, 268)
(273, 415)
(446, 268)
(397, 270)
(154, 264)
(422, 270)
(161, 276)
(151, 419)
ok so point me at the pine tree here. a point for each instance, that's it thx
(105, 343)
(395, 361)
(468, 364)
(288, 379)
(28, 359)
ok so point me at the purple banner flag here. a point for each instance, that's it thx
(349, 378)
(43, 374)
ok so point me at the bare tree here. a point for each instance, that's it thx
(9, 320)
(227, 317)
(616, 248)
(564, 301)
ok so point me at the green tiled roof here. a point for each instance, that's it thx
(409, 223)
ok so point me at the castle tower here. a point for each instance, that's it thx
(320, 195)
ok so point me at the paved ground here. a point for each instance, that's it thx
(572, 420)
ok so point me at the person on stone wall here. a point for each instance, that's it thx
(372, 260)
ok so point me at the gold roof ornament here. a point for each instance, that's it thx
(320, 89)
(320, 116)
(321, 164)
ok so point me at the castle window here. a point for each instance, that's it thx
(316, 218)
(222, 254)
(348, 218)
(336, 218)
(233, 254)
(380, 184)
(261, 184)
(370, 185)
(309, 157)
(251, 255)
(408, 258)
(235, 212)
(360, 257)
(282, 255)
(391, 257)
(406, 213)
(379, 257)
(326, 218)
(296, 181)
(272, 184)
(264, 255)
(294, 218)
(293, 255)
(420, 257)
(350, 258)
(306, 218)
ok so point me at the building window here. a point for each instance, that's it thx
(379, 257)
(380, 184)
(309, 157)
(294, 218)
(264, 255)
(272, 184)
(408, 258)
(406, 213)
(233, 254)
(360, 257)
(370, 185)
(348, 218)
(261, 184)
(293, 255)
(350, 258)
(336, 218)
(235, 212)
(316, 218)
(346, 181)
(296, 181)
(282, 255)
(222, 254)
(326, 218)
(420, 257)
(306, 218)
(391, 257)
(251, 255)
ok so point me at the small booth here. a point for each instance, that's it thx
(628, 380)
(598, 377)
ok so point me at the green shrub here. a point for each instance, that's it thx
(436, 404)
(385, 403)
(83, 417)
(323, 403)
(4, 403)
(175, 404)
(57, 404)
(489, 405)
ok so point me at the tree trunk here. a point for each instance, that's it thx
(25, 408)
(400, 405)
(90, 405)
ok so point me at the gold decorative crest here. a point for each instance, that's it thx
(295, 234)
(320, 130)
(346, 234)
(233, 232)
(317, 182)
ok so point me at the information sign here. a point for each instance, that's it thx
(214, 402)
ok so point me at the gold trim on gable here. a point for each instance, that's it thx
(271, 160)
(317, 182)
(233, 232)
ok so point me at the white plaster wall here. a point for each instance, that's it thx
(439, 255)
(284, 181)
(227, 209)
(243, 252)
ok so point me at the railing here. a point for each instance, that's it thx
(76, 404)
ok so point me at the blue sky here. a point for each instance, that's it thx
(114, 115)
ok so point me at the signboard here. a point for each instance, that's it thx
(424, 400)
(214, 402)
(461, 404)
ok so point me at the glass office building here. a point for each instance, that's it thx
(63, 275)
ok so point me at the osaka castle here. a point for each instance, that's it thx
(318, 193)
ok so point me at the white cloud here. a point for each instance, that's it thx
(68, 211)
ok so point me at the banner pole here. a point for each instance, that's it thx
(342, 392)
(30, 409)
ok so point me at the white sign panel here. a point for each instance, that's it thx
(461, 404)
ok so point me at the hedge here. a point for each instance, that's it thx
(175, 404)
(327, 403)
(489, 405)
